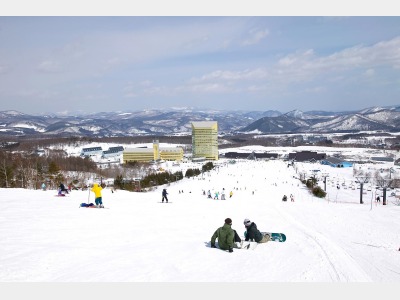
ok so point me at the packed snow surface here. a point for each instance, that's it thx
(44, 238)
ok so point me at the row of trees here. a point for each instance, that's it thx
(18, 170)
(154, 179)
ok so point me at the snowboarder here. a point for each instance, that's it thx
(164, 195)
(96, 189)
(284, 198)
(252, 233)
(62, 188)
(230, 194)
(216, 195)
(227, 237)
(291, 198)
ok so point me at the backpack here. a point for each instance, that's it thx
(86, 205)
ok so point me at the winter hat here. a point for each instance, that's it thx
(246, 222)
(228, 221)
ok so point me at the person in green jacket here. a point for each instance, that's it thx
(227, 237)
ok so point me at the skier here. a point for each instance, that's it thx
(291, 198)
(252, 233)
(227, 237)
(164, 195)
(96, 189)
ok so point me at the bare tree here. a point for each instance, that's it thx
(384, 181)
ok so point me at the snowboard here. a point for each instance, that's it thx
(275, 236)
(165, 202)
(94, 207)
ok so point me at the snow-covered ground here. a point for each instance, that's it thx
(44, 238)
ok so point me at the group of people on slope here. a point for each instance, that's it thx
(229, 239)
(217, 194)
(284, 198)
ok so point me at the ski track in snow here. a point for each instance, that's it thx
(342, 269)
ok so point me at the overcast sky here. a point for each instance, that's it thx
(93, 64)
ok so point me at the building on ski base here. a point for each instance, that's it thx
(205, 140)
(156, 153)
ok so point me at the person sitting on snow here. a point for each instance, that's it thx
(253, 234)
(227, 237)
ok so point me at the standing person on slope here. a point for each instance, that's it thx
(164, 195)
(96, 189)
(252, 233)
(223, 194)
(227, 237)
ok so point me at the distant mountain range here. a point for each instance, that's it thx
(178, 122)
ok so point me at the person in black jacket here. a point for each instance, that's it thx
(62, 188)
(253, 234)
(164, 195)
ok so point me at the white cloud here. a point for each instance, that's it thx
(207, 88)
(255, 36)
(49, 66)
(130, 95)
(145, 83)
(4, 69)
(304, 65)
(370, 72)
(255, 74)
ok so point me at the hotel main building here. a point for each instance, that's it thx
(205, 140)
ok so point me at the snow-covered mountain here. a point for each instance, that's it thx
(146, 122)
(386, 119)
(178, 121)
